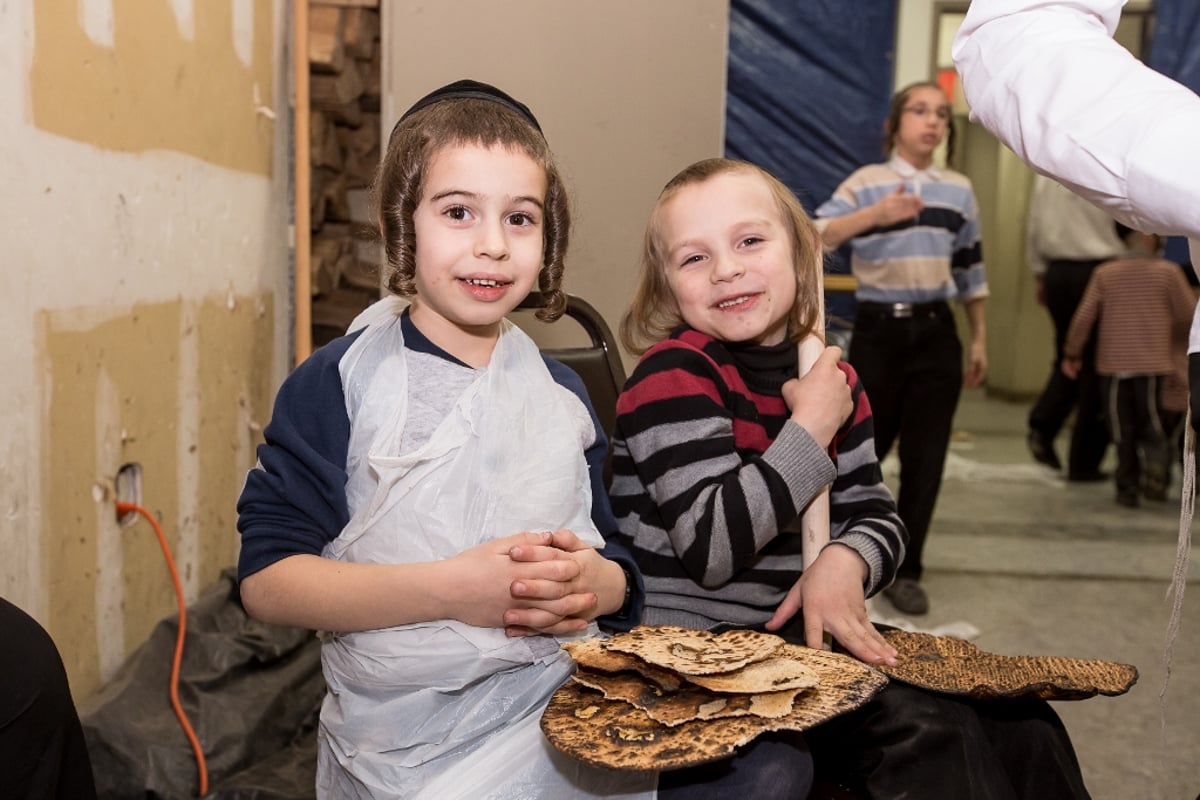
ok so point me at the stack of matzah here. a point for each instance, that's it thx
(664, 697)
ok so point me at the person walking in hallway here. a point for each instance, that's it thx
(913, 230)
(1135, 313)
(1066, 237)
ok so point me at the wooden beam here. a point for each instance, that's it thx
(840, 283)
(301, 235)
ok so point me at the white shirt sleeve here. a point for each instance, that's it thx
(1049, 81)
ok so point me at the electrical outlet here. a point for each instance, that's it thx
(129, 489)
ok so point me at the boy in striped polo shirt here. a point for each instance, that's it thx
(913, 232)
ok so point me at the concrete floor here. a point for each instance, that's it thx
(1024, 563)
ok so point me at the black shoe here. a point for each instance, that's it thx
(1127, 498)
(907, 596)
(1089, 476)
(1154, 485)
(1042, 450)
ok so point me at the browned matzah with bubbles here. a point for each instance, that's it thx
(688, 702)
(955, 666)
(693, 652)
(595, 655)
(616, 734)
(771, 675)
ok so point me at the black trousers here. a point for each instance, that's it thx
(1143, 447)
(907, 742)
(42, 749)
(775, 766)
(911, 368)
(913, 743)
(1064, 284)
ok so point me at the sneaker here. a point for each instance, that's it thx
(1042, 450)
(1127, 498)
(907, 596)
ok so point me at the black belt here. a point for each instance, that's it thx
(1078, 263)
(901, 310)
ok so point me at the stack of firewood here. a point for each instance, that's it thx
(344, 89)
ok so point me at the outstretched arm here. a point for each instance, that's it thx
(1048, 80)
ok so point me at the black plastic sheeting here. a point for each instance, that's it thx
(808, 90)
(251, 691)
(1175, 52)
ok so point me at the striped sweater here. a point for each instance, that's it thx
(1141, 309)
(936, 256)
(710, 475)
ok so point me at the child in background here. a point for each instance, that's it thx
(718, 448)
(1139, 309)
(913, 232)
(412, 467)
(1173, 406)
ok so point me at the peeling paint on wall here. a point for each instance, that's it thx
(97, 64)
(178, 388)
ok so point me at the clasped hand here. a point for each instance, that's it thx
(536, 583)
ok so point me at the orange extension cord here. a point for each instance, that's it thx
(201, 765)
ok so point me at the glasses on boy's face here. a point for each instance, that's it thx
(941, 112)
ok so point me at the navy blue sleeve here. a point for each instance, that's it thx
(602, 515)
(294, 500)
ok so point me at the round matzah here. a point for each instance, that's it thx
(955, 666)
(695, 652)
(617, 735)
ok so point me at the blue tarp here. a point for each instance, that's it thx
(1175, 52)
(808, 89)
(1175, 46)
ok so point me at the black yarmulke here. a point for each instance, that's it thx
(472, 89)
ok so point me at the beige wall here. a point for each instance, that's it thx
(143, 300)
(628, 93)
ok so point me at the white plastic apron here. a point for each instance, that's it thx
(443, 709)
